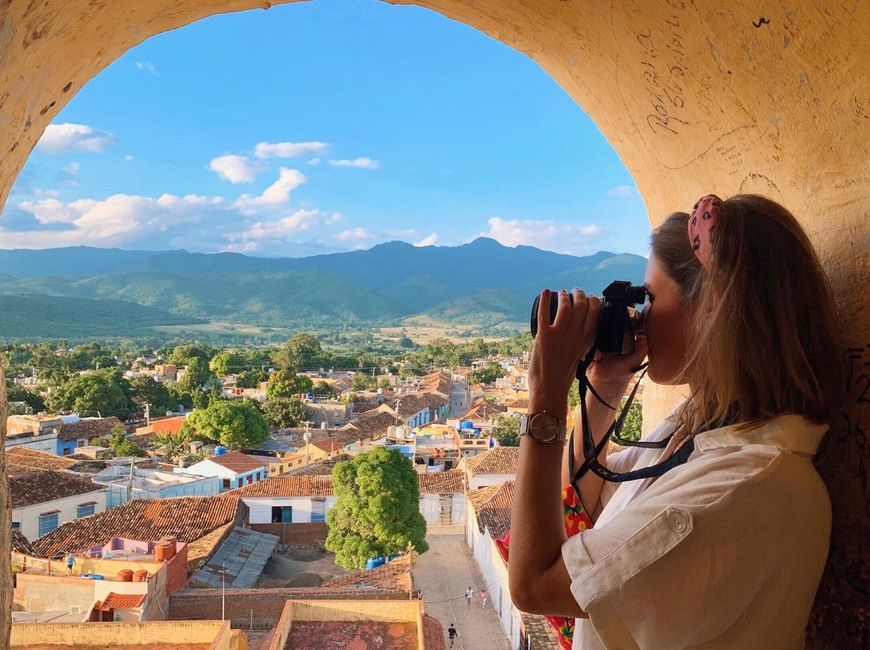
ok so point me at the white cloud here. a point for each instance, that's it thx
(566, 238)
(289, 149)
(272, 232)
(431, 240)
(622, 190)
(356, 234)
(61, 139)
(128, 157)
(147, 67)
(276, 195)
(314, 161)
(236, 169)
(362, 163)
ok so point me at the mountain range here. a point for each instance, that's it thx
(129, 292)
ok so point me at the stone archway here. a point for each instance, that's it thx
(768, 97)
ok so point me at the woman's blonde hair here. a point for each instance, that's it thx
(764, 340)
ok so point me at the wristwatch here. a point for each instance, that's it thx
(542, 427)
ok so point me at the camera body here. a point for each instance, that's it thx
(616, 317)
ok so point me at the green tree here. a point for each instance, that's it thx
(233, 423)
(507, 431)
(173, 444)
(362, 381)
(182, 354)
(487, 373)
(323, 388)
(227, 362)
(384, 384)
(285, 412)
(286, 383)
(122, 445)
(101, 393)
(633, 425)
(147, 390)
(251, 378)
(18, 393)
(302, 351)
(377, 511)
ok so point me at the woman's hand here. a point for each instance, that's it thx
(559, 348)
(609, 374)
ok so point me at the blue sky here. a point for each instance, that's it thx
(321, 127)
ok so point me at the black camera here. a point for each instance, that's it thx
(617, 313)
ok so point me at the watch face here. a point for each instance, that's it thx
(543, 427)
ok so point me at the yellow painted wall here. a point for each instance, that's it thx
(85, 635)
(769, 96)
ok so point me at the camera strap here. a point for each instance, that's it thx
(591, 451)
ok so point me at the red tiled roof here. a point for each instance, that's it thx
(442, 482)
(188, 518)
(168, 425)
(433, 634)
(20, 543)
(439, 381)
(544, 634)
(31, 488)
(498, 460)
(329, 445)
(372, 425)
(494, 514)
(391, 577)
(483, 410)
(22, 459)
(290, 485)
(353, 635)
(120, 601)
(320, 485)
(87, 428)
(236, 461)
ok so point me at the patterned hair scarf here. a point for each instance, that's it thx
(702, 226)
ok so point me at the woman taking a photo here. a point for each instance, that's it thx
(724, 546)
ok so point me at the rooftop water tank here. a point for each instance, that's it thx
(220, 450)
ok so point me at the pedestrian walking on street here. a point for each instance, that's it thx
(452, 633)
(70, 563)
(484, 595)
(469, 596)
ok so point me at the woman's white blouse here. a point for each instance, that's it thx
(725, 551)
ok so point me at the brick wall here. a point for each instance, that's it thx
(298, 534)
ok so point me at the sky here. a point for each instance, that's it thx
(321, 127)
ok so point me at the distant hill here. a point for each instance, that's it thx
(481, 282)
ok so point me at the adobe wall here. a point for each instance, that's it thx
(696, 97)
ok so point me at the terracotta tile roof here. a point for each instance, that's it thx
(372, 425)
(498, 460)
(483, 410)
(320, 485)
(353, 635)
(168, 425)
(290, 485)
(329, 445)
(120, 601)
(31, 488)
(392, 577)
(440, 381)
(87, 428)
(433, 634)
(442, 482)
(415, 402)
(236, 461)
(494, 514)
(543, 634)
(188, 518)
(22, 459)
(20, 543)
(477, 498)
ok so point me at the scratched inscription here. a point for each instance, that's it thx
(857, 396)
(663, 63)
